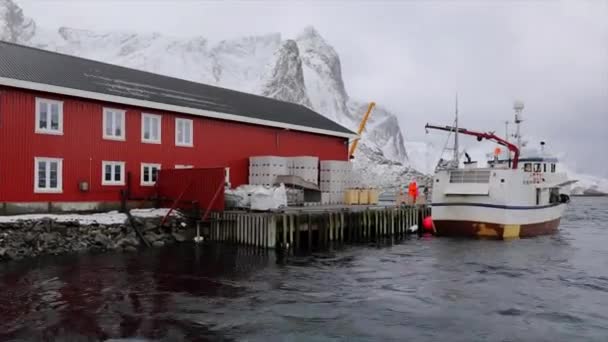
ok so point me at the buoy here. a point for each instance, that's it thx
(427, 223)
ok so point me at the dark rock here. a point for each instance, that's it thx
(179, 237)
(102, 239)
(130, 249)
(158, 244)
(3, 252)
(30, 237)
(115, 230)
(138, 221)
(48, 237)
(13, 255)
(59, 228)
(39, 226)
(151, 236)
(151, 225)
(128, 241)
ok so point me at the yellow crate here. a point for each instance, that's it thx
(374, 196)
(363, 196)
(351, 197)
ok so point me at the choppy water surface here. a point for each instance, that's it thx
(543, 289)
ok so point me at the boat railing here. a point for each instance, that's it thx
(470, 176)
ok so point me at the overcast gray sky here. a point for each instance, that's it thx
(412, 56)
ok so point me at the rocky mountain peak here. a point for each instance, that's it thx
(285, 79)
(14, 26)
(323, 75)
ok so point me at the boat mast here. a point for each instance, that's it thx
(456, 158)
(518, 106)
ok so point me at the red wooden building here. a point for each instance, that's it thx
(67, 121)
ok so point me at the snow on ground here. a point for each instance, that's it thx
(111, 217)
(145, 213)
(107, 218)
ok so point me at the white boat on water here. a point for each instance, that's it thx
(516, 195)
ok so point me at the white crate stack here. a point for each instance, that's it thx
(305, 167)
(336, 177)
(263, 170)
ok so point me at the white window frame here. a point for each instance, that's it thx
(151, 116)
(48, 130)
(141, 177)
(184, 166)
(104, 163)
(190, 128)
(114, 111)
(59, 188)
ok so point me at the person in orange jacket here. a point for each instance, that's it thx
(413, 191)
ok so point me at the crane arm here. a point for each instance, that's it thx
(353, 146)
(480, 136)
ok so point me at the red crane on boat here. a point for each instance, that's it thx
(480, 136)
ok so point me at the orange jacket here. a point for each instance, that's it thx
(413, 189)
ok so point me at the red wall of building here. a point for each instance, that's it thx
(82, 147)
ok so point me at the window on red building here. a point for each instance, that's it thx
(150, 128)
(48, 175)
(113, 124)
(49, 116)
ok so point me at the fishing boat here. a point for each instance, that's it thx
(514, 195)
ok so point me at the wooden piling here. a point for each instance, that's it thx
(297, 231)
(291, 230)
(342, 221)
(309, 221)
(392, 218)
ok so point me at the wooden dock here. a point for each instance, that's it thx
(312, 228)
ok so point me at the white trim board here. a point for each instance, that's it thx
(11, 82)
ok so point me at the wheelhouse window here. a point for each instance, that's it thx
(553, 168)
(545, 167)
(112, 173)
(537, 167)
(113, 124)
(48, 175)
(528, 167)
(49, 116)
(150, 128)
(183, 132)
(149, 174)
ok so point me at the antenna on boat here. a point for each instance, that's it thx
(507, 130)
(518, 106)
(456, 153)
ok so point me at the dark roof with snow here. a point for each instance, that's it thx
(112, 83)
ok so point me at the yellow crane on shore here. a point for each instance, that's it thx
(353, 145)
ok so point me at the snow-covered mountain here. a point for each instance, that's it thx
(304, 70)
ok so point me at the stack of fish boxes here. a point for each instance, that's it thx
(335, 177)
(263, 170)
(305, 167)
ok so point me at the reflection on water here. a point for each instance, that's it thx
(543, 289)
